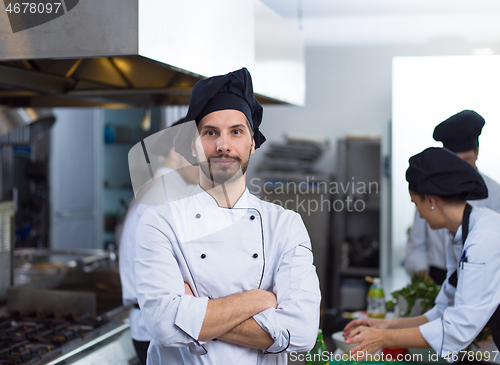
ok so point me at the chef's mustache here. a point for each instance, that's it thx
(222, 156)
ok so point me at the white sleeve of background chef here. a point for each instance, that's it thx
(416, 248)
(294, 324)
(476, 298)
(493, 200)
(127, 253)
(494, 192)
(173, 318)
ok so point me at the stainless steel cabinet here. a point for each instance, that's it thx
(309, 195)
(356, 221)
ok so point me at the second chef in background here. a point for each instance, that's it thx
(440, 184)
(177, 177)
(425, 250)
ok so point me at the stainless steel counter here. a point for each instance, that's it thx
(109, 344)
(31, 264)
(58, 279)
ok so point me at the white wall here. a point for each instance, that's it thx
(349, 89)
(428, 90)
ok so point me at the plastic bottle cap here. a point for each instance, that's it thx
(376, 281)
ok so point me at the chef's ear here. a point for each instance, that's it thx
(252, 150)
(433, 200)
(172, 154)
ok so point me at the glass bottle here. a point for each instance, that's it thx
(376, 300)
(319, 354)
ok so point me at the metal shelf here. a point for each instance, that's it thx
(360, 271)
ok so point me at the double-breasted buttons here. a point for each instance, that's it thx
(198, 216)
(252, 217)
(255, 255)
(203, 256)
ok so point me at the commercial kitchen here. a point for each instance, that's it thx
(350, 91)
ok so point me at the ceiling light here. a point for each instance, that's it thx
(146, 121)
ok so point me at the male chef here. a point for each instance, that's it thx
(425, 250)
(222, 276)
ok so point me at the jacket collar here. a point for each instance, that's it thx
(204, 197)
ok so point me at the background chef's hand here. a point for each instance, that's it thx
(369, 340)
(426, 275)
(367, 322)
(187, 289)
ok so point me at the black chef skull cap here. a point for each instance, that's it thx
(438, 171)
(230, 91)
(460, 132)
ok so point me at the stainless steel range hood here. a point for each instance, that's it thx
(118, 53)
(38, 122)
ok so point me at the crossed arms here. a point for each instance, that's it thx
(230, 318)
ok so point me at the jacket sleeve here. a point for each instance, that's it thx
(294, 324)
(127, 253)
(173, 318)
(416, 248)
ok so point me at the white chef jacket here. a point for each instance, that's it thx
(175, 184)
(219, 252)
(461, 313)
(427, 247)
(493, 199)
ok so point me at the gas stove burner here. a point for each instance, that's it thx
(26, 339)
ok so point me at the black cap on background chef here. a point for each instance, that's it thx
(163, 145)
(460, 132)
(231, 91)
(438, 171)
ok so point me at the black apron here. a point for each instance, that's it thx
(494, 322)
(437, 274)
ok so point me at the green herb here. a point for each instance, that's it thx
(423, 288)
(482, 336)
(419, 288)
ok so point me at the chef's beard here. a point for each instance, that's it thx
(224, 174)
